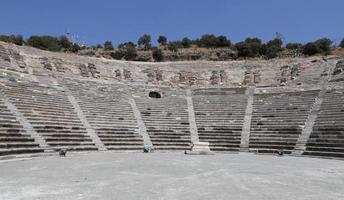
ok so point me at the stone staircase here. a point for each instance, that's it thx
(13, 137)
(51, 115)
(219, 117)
(109, 113)
(327, 137)
(278, 120)
(167, 121)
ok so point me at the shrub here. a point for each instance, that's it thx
(130, 53)
(108, 46)
(123, 45)
(15, 39)
(222, 41)
(272, 48)
(158, 55)
(75, 48)
(324, 44)
(44, 42)
(293, 46)
(251, 47)
(65, 43)
(186, 42)
(209, 40)
(310, 49)
(173, 46)
(145, 41)
(162, 40)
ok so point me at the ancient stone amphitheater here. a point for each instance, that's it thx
(50, 101)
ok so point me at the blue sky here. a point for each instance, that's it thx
(125, 20)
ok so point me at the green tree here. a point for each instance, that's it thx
(222, 41)
(251, 47)
(130, 53)
(324, 44)
(75, 48)
(145, 41)
(173, 46)
(186, 42)
(162, 40)
(15, 39)
(272, 48)
(65, 42)
(158, 55)
(108, 46)
(310, 49)
(44, 42)
(293, 46)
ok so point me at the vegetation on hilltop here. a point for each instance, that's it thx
(249, 48)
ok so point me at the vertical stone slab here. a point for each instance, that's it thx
(141, 125)
(25, 123)
(89, 129)
(192, 118)
(246, 127)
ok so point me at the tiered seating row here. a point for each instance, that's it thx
(278, 119)
(219, 117)
(13, 138)
(167, 121)
(327, 138)
(51, 115)
(109, 113)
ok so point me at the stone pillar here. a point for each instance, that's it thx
(192, 118)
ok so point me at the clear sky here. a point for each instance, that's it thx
(95, 21)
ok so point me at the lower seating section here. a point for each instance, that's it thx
(108, 111)
(278, 119)
(167, 121)
(219, 117)
(51, 115)
(327, 138)
(13, 138)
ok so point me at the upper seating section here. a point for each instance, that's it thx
(51, 115)
(108, 111)
(327, 138)
(278, 119)
(167, 121)
(219, 117)
(13, 137)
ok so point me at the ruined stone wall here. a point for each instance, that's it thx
(288, 72)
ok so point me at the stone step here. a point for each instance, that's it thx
(4, 152)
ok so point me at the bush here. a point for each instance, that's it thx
(75, 48)
(145, 41)
(272, 48)
(342, 43)
(130, 53)
(310, 49)
(251, 47)
(209, 40)
(173, 46)
(108, 46)
(44, 42)
(293, 46)
(65, 43)
(15, 39)
(123, 45)
(162, 40)
(186, 42)
(158, 55)
(324, 44)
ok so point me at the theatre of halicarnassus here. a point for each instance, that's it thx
(95, 106)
